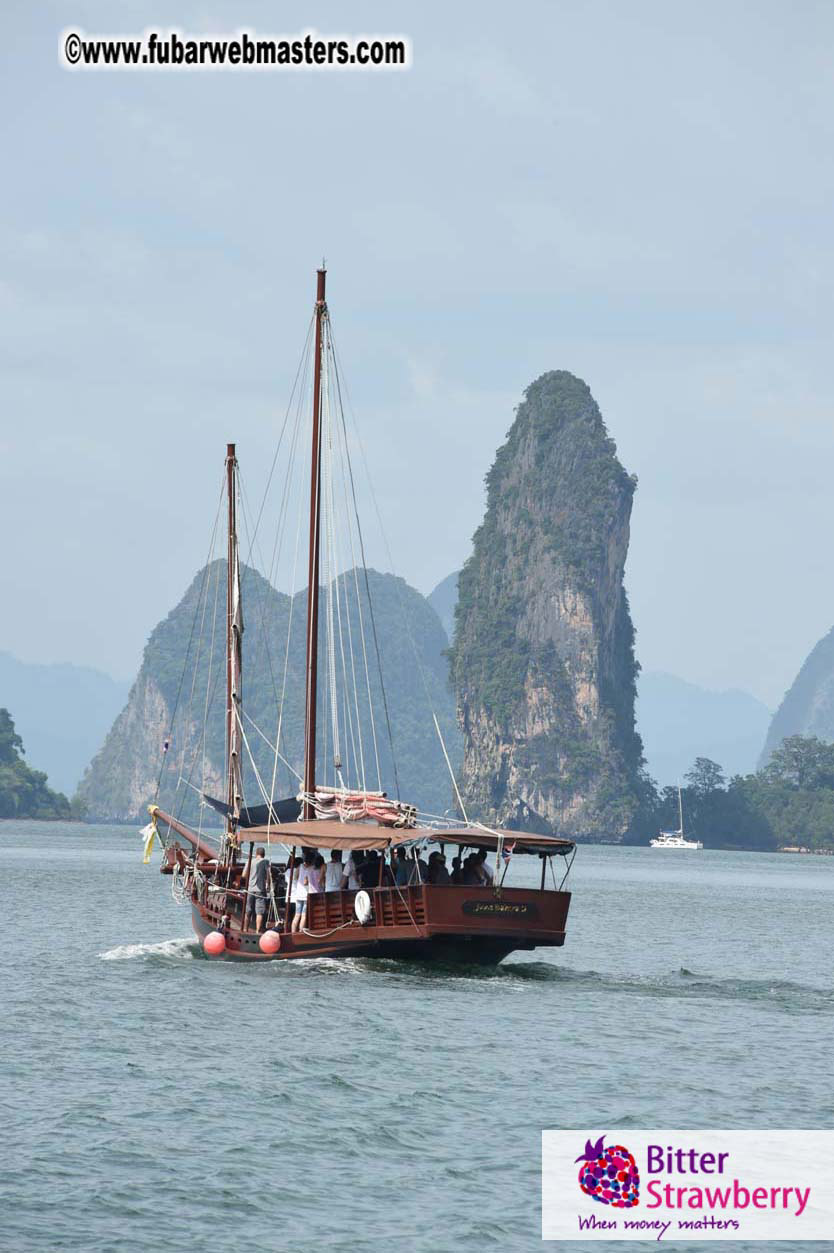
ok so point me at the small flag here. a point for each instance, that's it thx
(148, 833)
(507, 851)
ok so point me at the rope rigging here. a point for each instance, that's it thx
(349, 697)
(392, 568)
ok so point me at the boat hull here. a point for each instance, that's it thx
(477, 926)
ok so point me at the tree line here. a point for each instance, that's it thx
(23, 791)
(788, 802)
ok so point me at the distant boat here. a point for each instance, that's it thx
(675, 839)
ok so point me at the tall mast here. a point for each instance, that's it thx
(234, 659)
(313, 570)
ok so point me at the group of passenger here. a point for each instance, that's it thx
(363, 869)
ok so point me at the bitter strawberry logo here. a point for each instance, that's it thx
(610, 1175)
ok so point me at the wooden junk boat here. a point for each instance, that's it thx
(478, 922)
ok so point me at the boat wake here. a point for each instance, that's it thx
(177, 949)
(684, 984)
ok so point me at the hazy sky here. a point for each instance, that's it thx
(639, 193)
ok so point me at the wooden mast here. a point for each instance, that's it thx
(231, 567)
(313, 569)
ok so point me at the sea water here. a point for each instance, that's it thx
(155, 1100)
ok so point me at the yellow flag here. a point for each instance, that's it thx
(148, 834)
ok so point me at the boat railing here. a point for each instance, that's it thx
(414, 904)
(392, 907)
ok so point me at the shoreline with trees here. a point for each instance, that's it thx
(786, 804)
(25, 792)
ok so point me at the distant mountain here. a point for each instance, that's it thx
(62, 712)
(443, 600)
(163, 705)
(679, 721)
(808, 706)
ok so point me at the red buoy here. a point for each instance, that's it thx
(270, 942)
(215, 943)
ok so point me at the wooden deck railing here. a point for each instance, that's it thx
(393, 907)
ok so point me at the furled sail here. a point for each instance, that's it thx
(361, 806)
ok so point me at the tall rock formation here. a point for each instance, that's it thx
(179, 696)
(543, 658)
(808, 705)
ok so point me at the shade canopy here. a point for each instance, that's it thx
(329, 833)
(474, 837)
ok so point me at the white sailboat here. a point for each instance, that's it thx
(675, 839)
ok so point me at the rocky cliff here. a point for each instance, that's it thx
(808, 705)
(179, 696)
(543, 658)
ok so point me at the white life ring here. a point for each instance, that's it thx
(362, 907)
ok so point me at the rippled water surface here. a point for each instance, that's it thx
(153, 1100)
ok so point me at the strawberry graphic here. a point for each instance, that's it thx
(610, 1175)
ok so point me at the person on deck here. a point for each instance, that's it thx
(457, 873)
(306, 875)
(369, 870)
(483, 868)
(257, 888)
(292, 893)
(315, 874)
(402, 868)
(350, 878)
(334, 872)
(437, 869)
(419, 869)
(470, 875)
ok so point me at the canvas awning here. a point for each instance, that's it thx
(474, 837)
(330, 833)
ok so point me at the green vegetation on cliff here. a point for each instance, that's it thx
(182, 670)
(543, 654)
(23, 791)
(559, 428)
(808, 706)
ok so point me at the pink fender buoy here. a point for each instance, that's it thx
(269, 943)
(215, 943)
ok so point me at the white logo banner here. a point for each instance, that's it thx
(687, 1185)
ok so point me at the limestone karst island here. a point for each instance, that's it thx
(527, 656)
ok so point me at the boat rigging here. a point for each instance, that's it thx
(392, 901)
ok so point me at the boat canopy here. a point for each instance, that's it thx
(517, 841)
(330, 833)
